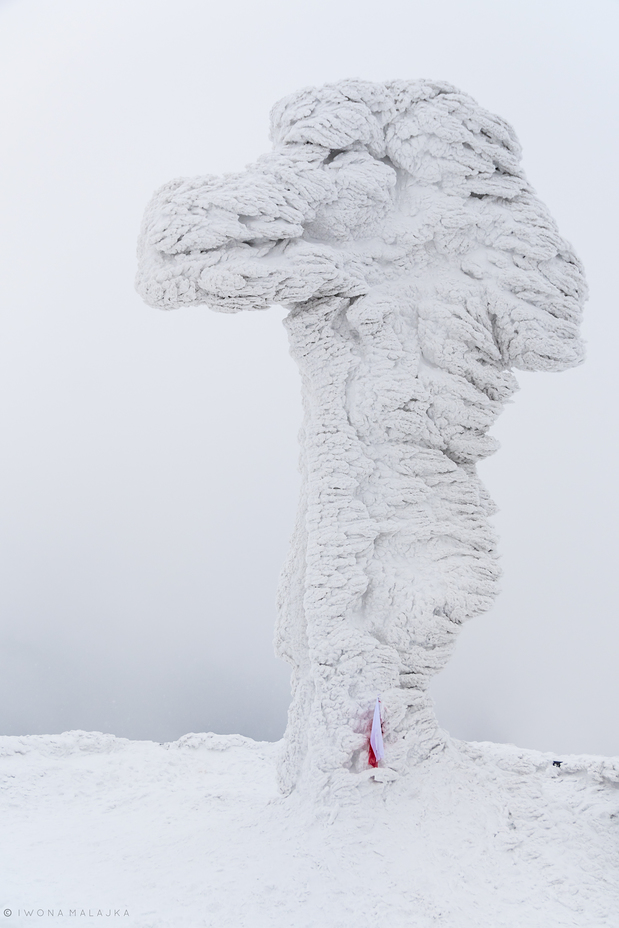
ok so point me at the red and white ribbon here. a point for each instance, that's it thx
(377, 748)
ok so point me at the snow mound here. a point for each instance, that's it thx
(195, 833)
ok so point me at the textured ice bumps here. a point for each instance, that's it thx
(419, 268)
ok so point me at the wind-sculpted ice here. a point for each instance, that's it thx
(394, 221)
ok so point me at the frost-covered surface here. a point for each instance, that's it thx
(419, 268)
(196, 833)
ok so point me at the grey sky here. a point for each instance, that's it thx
(149, 460)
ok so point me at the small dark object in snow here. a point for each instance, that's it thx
(557, 763)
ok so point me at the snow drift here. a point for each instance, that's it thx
(196, 834)
(419, 268)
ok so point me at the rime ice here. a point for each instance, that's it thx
(419, 268)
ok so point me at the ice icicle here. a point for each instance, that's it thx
(418, 266)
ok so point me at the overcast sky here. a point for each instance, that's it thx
(148, 459)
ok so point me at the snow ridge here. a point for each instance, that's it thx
(419, 268)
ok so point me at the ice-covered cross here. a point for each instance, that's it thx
(418, 267)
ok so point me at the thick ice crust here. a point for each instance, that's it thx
(419, 267)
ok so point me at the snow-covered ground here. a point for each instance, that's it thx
(194, 833)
